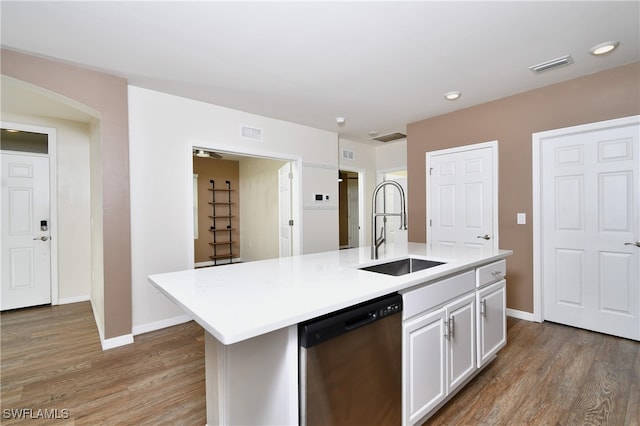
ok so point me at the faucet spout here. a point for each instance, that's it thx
(377, 242)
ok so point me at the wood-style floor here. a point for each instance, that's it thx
(51, 359)
(551, 374)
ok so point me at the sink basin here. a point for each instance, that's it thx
(402, 266)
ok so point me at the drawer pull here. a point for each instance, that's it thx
(496, 273)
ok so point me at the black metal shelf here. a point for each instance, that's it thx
(215, 228)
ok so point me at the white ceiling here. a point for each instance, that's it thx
(381, 65)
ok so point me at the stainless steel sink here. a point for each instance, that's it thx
(402, 266)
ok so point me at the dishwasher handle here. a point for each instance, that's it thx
(354, 323)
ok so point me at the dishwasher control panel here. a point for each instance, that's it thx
(390, 309)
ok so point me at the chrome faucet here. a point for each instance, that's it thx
(377, 242)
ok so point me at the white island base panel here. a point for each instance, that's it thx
(253, 382)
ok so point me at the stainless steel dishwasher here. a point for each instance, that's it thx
(351, 365)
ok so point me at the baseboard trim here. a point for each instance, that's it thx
(74, 299)
(158, 325)
(514, 313)
(114, 342)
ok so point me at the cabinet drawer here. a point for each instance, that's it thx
(434, 294)
(491, 273)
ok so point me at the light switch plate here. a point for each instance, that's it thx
(521, 218)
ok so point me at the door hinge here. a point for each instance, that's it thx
(290, 176)
(430, 222)
(290, 222)
(430, 171)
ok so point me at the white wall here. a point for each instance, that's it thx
(259, 220)
(392, 156)
(162, 130)
(74, 248)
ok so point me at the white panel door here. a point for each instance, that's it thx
(26, 249)
(285, 200)
(462, 198)
(590, 214)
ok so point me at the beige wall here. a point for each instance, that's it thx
(106, 94)
(606, 95)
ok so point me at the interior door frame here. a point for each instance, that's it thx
(537, 139)
(296, 187)
(53, 194)
(455, 150)
(361, 199)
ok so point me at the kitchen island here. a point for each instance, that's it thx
(250, 313)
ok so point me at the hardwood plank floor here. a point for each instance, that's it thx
(551, 374)
(51, 358)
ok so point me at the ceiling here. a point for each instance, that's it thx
(380, 65)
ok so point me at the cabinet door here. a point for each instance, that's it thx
(423, 366)
(461, 340)
(492, 321)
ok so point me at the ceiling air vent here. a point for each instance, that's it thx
(554, 63)
(251, 133)
(390, 137)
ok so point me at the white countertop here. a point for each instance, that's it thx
(244, 300)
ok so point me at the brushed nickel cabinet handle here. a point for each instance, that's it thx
(452, 327)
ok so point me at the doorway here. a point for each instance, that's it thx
(254, 209)
(390, 201)
(28, 216)
(349, 209)
(587, 226)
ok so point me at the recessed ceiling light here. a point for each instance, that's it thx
(341, 120)
(452, 96)
(604, 48)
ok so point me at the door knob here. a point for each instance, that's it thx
(637, 244)
(41, 238)
(485, 236)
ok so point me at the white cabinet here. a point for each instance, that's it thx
(461, 341)
(451, 328)
(491, 321)
(439, 350)
(424, 365)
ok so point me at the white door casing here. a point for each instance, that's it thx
(462, 198)
(285, 175)
(586, 266)
(353, 212)
(26, 249)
